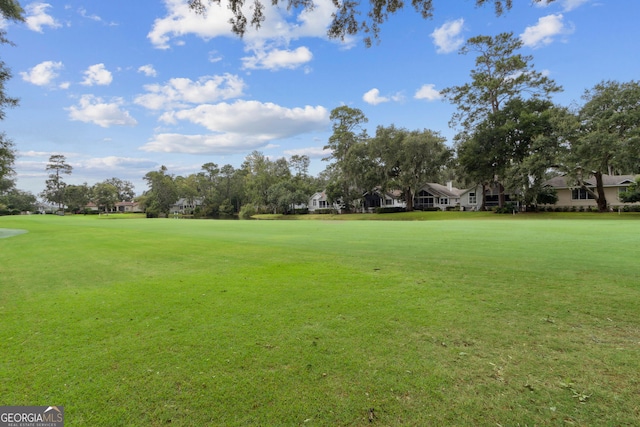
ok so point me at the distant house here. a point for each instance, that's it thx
(437, 196)
(471, 198)
(124, 207)
(91, 207)
(319, 201)
(570, 194)
(383, 199)
(185, 206)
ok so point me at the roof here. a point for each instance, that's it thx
(443, 190)
(607, 181)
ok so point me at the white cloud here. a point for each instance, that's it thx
(280, 25)
(111, 163)
(312, 152)
(544, 31)
(228, 143)
(179, 92)
(83, 12)
(36, 17)
(92, 109)
(427, 92)
(97, 75)
(373, 97)
(447, 37)
(238, 127)
(278, 59)
(253, 117)
(569, 5)
(43, 73)
(148, 70)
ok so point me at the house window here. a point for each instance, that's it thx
(323, 203)
(315, 202)
(472, 198)
(425, 199)
(581, 194)
(444, 201)
(388, 202)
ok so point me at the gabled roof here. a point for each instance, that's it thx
(442, 190)
(607, 181)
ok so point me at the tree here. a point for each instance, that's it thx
(349, 176)
(54, 191)
(124, 189)
(632, 195)
(514, 147)
(408, 159)
(9, 10)
(77, 196)
(105, 196)
(346, 18)
(7, 157)
(162, 193)
(608, 140)
(18, 200)
(501, 74)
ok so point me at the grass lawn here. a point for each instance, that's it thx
(485, 320)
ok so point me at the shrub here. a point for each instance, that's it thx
(247, 211)
(226, 208)
(328, 211)
(506, 209)
(302, 211)
(394, 209)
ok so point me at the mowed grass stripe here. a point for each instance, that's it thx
(315, 323)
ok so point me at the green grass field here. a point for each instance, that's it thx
(483, 320)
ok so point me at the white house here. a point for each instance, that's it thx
(319, 201)
(432, 195)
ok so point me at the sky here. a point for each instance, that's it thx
(120, 87)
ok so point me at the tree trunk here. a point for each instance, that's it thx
(483, 197)
(408, 196)
(601, 200)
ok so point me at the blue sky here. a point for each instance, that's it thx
(121, 88)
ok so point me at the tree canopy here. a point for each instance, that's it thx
(350, 17)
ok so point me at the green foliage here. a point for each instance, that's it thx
(609, 135)
(396, 209)
(501, 74)
(162, 193)
(226, 209)
(632, 195)
(247, 211)
(55, 186)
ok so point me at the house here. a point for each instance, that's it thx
(127, 207)
(572, 195)
(471, 198)
(437, 196)
(379, 199)
(185, 206)
(319, 201)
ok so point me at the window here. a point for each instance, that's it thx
(425, 199)
(581, 194)
(315, 202)
(388, 202)
(444, 201)
(323, 203)
(472, 198)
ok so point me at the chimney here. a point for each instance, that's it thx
(450, 185)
